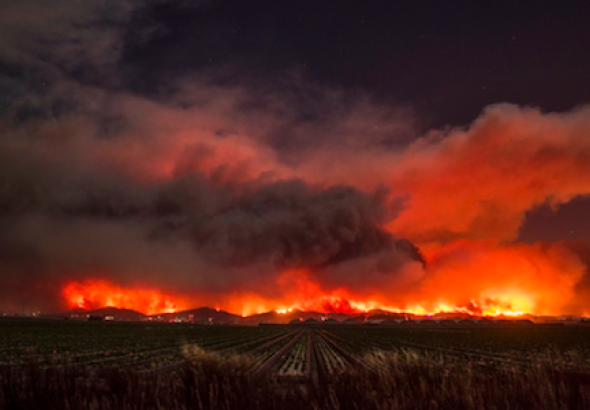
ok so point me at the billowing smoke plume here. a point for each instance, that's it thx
(255, 197)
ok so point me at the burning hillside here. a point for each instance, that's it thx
(540, 288)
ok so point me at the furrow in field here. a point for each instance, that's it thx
(330, 361)
(295, 365)
(279, 355)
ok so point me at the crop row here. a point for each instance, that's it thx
(289, 352)
(135, 349)
(295, 363)
(329, 361)
(376, 341)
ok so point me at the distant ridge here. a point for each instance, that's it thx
(201, 315)
(107, 312)
(207, 315)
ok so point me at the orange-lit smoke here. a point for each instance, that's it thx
(491, 279)
(178, 195)
(467, 192)
(479, 183)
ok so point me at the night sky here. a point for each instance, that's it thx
(446, 61)
(224, 143)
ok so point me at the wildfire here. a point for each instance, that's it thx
(309, 296)
(359, 307)
(94, 294)
(450, 287)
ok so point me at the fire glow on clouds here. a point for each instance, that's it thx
(251, 200)
(169, 215)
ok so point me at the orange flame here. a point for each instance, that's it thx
(471, 278)
(94, 294)
(306, 295)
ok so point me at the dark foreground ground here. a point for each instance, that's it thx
(282, 367)
(413, 382)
